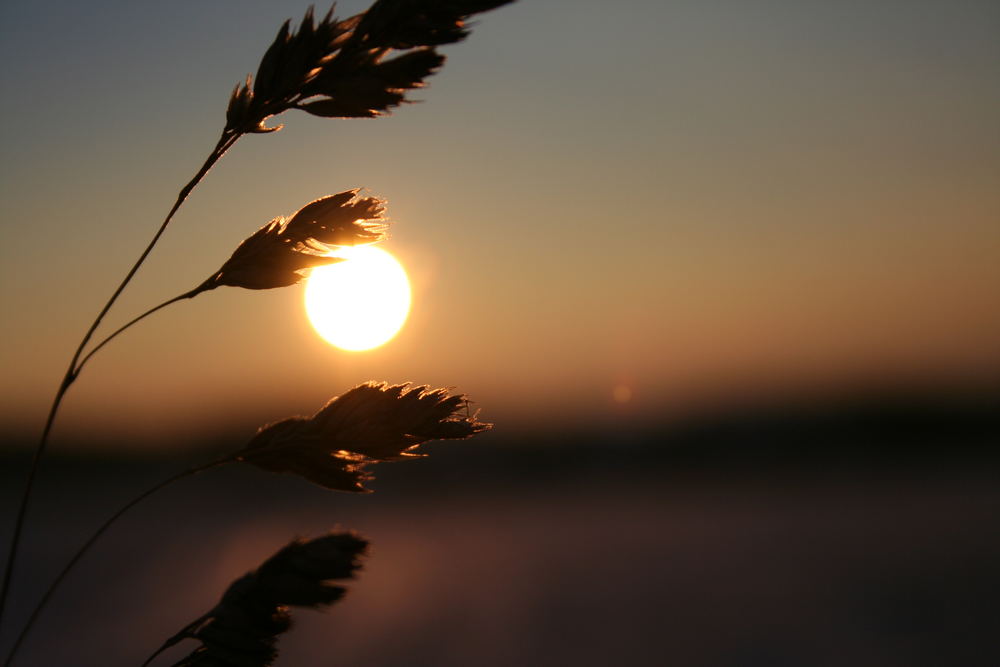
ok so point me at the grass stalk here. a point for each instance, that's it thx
(90, 542)
(226, 141)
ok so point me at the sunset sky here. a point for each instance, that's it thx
(611, 213)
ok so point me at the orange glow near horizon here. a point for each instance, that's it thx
(360, 303)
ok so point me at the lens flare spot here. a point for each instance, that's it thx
(360, 303)
(621, 393)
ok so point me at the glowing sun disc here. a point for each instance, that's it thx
(359, 303)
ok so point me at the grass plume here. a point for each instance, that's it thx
(242, 630)
(372, 423)
(277, 253)
(359, 67)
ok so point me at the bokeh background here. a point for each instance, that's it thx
(723, 274)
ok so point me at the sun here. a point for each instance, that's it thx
(360, 303)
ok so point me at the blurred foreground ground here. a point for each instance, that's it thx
(492, 554)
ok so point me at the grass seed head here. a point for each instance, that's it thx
(358, 67)
(242, 629)
(277, 253)
(372, 423)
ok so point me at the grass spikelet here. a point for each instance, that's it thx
(403, 24)
(277, 253)
(242, 629)
(340, 68)
(372, 423)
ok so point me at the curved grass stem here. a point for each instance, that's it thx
(90, 542)
(204, 287)
(225, 142)
(185, 633)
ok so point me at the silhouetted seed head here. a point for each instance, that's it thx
(372, 423)
(341, 68)
(277, 253)
(242, 630)
(404, 24)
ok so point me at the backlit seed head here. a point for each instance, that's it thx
(277, 253)
(372, 423)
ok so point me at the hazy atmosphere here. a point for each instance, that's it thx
(610, 214)
(724, 275)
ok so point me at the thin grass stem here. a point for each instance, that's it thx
(225, 142)
(185, 633)
(90, 542)
(187, 295)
